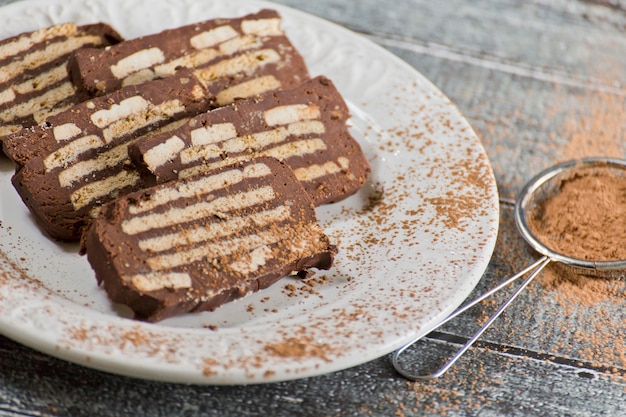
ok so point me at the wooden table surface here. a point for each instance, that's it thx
(540, 81)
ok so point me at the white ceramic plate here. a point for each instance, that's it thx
(413, 242)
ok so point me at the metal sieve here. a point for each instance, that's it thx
(540, 189)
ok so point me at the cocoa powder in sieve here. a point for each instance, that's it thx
(586, 219)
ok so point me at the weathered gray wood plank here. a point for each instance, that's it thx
(561, 40)
(535, 80)
(484, 383)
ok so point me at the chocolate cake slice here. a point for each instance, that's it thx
(34, 78)
(306, 127)
(194, 244)
(239, 57)
(78, 159)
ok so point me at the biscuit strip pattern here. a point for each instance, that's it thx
(295, 132)
(245, 227)
(25, 94)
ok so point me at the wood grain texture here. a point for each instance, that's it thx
(540, 81)
(484, 383)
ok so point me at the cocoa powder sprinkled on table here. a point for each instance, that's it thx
(574, 316)
(599, 132)
(579, 312)
(459, 391)
(581, 289)
(594, 126)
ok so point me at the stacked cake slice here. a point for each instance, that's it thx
(189, 163)
(78, 159)
(236, 58)
(34, 78)
(304, 126)
(194, 244)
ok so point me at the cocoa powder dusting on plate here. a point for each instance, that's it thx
(299, 347)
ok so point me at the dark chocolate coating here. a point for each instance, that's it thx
(247, 118)
(116, 254)
(91, 68)
(25, 85)
(40, 186)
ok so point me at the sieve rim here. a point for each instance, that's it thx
(521, 204)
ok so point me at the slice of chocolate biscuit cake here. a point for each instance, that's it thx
(78, 159)
(239, 57)
(34, 78)
(194, 244)
(306, 127)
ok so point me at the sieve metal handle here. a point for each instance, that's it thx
(533, 269)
